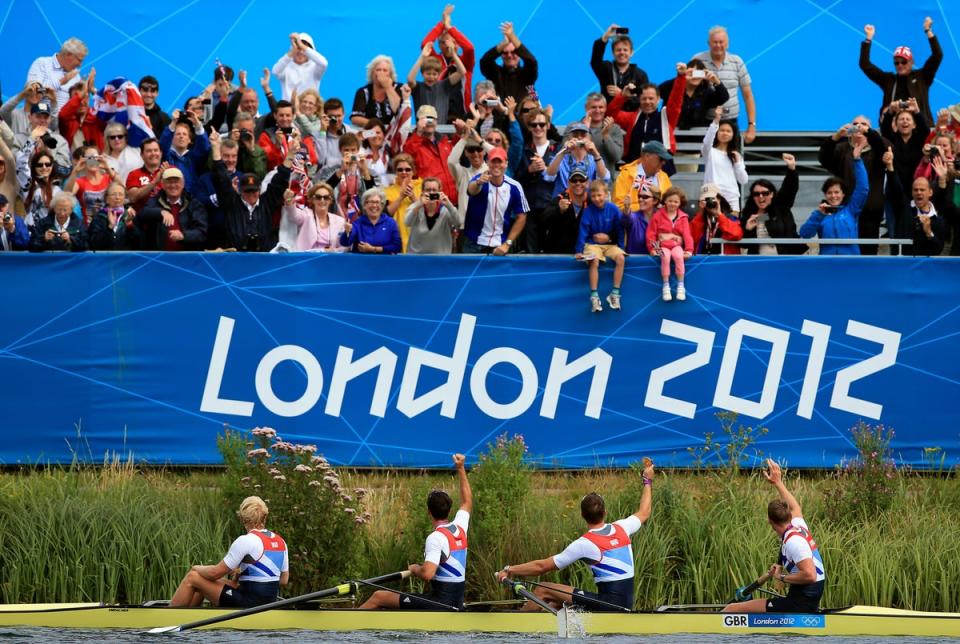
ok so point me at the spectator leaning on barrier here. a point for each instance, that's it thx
(149, 90)
(496, 209)
(449, 38)
(403, 192)
(511, 78)
(301, 68)
(836, 156)
(647, 170)
(112, 227)
(923, 219)
(562, 217)
(173, 219)
(649, 123)
(835, 218)
(732, 72)
(606, 135)
(702, 95)
(432, 221)
(767, 213)
(318, 229)
(635, 222)
(62, 229)
(614, 75)
(61, 70)
(601, 238)
(714, 218)
(905, 82)
(14, 234)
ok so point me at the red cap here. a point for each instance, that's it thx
(497, 153)
(903, 52)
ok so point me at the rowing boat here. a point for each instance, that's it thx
(856, 620)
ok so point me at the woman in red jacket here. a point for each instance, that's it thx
(713, 219)
(668, 235)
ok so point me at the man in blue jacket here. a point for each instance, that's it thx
(14, 234)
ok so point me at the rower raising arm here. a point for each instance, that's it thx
(775, 477)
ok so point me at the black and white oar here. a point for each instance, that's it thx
(521, 591)
(419, 598)
(342, 589)
(745, 593)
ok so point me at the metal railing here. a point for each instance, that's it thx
(899, 243)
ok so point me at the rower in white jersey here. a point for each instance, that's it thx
(605, 547)
(800, 563)
(445, 554)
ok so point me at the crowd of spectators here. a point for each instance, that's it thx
(241, 169)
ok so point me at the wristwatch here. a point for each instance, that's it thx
(509, 242)
(783, 577)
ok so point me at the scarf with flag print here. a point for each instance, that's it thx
(120, 102)
(300, 182)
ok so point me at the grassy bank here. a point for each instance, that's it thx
(121, 534)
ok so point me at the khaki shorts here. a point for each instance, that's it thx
(603, 251)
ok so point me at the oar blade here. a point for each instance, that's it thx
(164, 629)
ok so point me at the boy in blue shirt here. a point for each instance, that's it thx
(601, 238)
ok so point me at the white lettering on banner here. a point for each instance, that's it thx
(779, 339)
(446, 395)
(661, 375)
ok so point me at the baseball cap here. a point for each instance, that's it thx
(709, 190)
(579, 169)
(577, 127)
(427, 112)
(41, 107)
(903, 52)
(306, 39)
(3, 201)
(249, 182)
(171, 173)
(497, 153)
(655, 147)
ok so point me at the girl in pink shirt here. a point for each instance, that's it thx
(668, 235)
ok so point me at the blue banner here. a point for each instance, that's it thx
(399, 361)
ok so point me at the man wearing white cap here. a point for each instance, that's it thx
(905, 83)
(300, 68)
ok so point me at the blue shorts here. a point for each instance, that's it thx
(441, 592)
(618, 593)
(248, 595)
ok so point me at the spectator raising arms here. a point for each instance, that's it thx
(924, 219)
(511, 78)
(434, 91)
(614, 75)
(703, 94)
(604, 132)
(767, 213)
(835, 219)
(907, 132)
(90, 187)
(905, 82)
(650, 122)
(61, 70)
(450, 39)
(301, 68)
(380, 97)
(181, 151)
(732, 72)
(723, 163)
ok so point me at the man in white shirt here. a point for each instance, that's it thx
(605, 547)
(61, 70)
(445, 553)
(800, 563)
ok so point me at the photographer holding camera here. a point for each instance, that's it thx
(62, 229)
(578, 152)
(14, 234)
(905, 83)
(42, 136)
(714, 219)
(19, 119)
(835, 219)
(189, 156)
(614, 75)
(649, 123)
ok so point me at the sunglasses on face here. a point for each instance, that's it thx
(149, 88)
(404, 169)
(761, 193)
(644, 197)
(524, 110)
(900, 62)
(44, 164)
(538, 124)
(321, 197)
(117, 136)
(495, 142)
(578, 180)
(474, 150)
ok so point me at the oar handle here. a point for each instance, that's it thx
(746, 592)
(519, 589)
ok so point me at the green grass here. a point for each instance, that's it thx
(118, 534)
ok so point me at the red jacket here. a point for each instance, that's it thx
(430, 160)
(276, 151)
(468, 58)
(726, 228)
(660, 223)
(669, 115)
(76, 115)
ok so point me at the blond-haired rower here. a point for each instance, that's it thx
(260, 556)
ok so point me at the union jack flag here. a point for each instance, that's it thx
(120, 102)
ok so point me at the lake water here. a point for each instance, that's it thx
(374, 637)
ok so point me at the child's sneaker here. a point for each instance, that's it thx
(614, 301)
(595, 306)
(681, 293)
(666, 293)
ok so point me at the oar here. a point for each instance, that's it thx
(745, 593)
(342, 589)
(519, 589)
(581, 597)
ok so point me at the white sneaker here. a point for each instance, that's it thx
(614, 301)
(681, 293)
(595, 306)
(666, 293)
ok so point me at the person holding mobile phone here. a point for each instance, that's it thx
(732, 72)
(614, 75)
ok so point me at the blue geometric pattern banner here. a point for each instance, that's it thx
(399, 361)
(802, 54)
